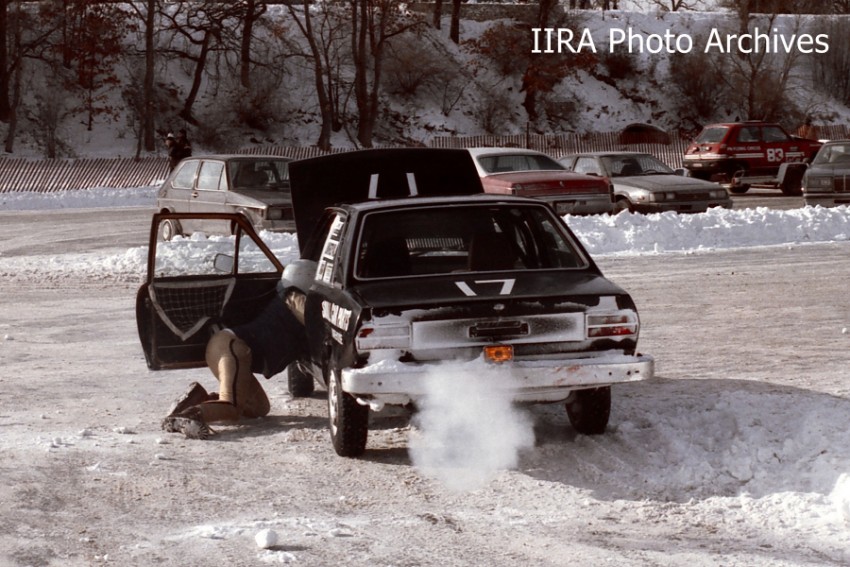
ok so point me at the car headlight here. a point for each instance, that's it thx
(718, 194)
(274, 213)
(641, 195)
(819, 182)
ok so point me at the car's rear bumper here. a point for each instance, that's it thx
(580, 203)
(276, 225)
(826, 199)
(526, 381)
(683, 206)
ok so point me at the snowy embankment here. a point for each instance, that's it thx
(624, 234)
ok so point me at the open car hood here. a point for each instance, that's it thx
(353, 177)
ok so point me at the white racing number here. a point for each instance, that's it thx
(775, 154)
(506, 286)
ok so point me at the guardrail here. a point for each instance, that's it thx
(52, 175)
(20, 174)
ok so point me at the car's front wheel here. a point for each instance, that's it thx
(168, 229)
(589, 410)
(623, 204)
(299, 381)
(349, 421)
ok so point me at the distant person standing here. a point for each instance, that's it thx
(174, 153)
(184, 146)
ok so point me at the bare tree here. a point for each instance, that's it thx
(374, 22)
(205, 27)
(674, 5)
(322, 55)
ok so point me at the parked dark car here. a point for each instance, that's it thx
(529, 173)
(409, 268)
(255, 186)
(827, 179)
(644, 184)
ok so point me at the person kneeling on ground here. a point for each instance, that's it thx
(266, 344)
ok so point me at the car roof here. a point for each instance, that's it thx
(227, 157)
(606, 153)
(480, 151)
(744, 123)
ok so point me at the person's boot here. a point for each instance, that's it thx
(193, 396)
(190, 423)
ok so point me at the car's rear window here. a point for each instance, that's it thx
(712, 135)
(505, 163)
(432, 241)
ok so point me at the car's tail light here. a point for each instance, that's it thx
(373, 337)
(619, 325)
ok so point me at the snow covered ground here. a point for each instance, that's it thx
(736, 454)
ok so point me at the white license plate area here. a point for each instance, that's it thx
(557, 327)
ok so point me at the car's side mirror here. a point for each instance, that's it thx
(223, 263)
(681, 171)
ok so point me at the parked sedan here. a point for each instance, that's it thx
(644, 184)
(527, 173)
(255, 186)
(827, 180)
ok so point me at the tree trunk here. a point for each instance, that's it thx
(251, 16)
(454, 28)
(438, 14)
(16, 93)
(149, 109)
(5, 107)
(186, 113)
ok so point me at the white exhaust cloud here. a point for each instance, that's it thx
(468, 431)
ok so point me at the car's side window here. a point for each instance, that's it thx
(749, 134)
(185, 177)
(774, 134)
(209, 175)
(327, 268)
(588, 166)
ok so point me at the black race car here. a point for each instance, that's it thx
(407, 267)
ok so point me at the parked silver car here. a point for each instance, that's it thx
(255, 186)
(827, 179)
(644, 184)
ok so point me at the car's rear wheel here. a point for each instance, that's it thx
(168, 229)
(739, 170)
(589, 410)
(299, 381)
(349, 421)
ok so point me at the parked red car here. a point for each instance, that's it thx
(741, 154)
(528, 173)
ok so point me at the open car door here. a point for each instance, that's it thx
(196, 285)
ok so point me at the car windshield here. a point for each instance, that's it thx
(833, 153)
(265, 174)
(629, 165)
(712, 135)
(474, 238)
(505, 163)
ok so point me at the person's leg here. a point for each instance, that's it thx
(240, 393)
(229, 359)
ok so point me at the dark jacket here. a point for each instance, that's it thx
(276, 338)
